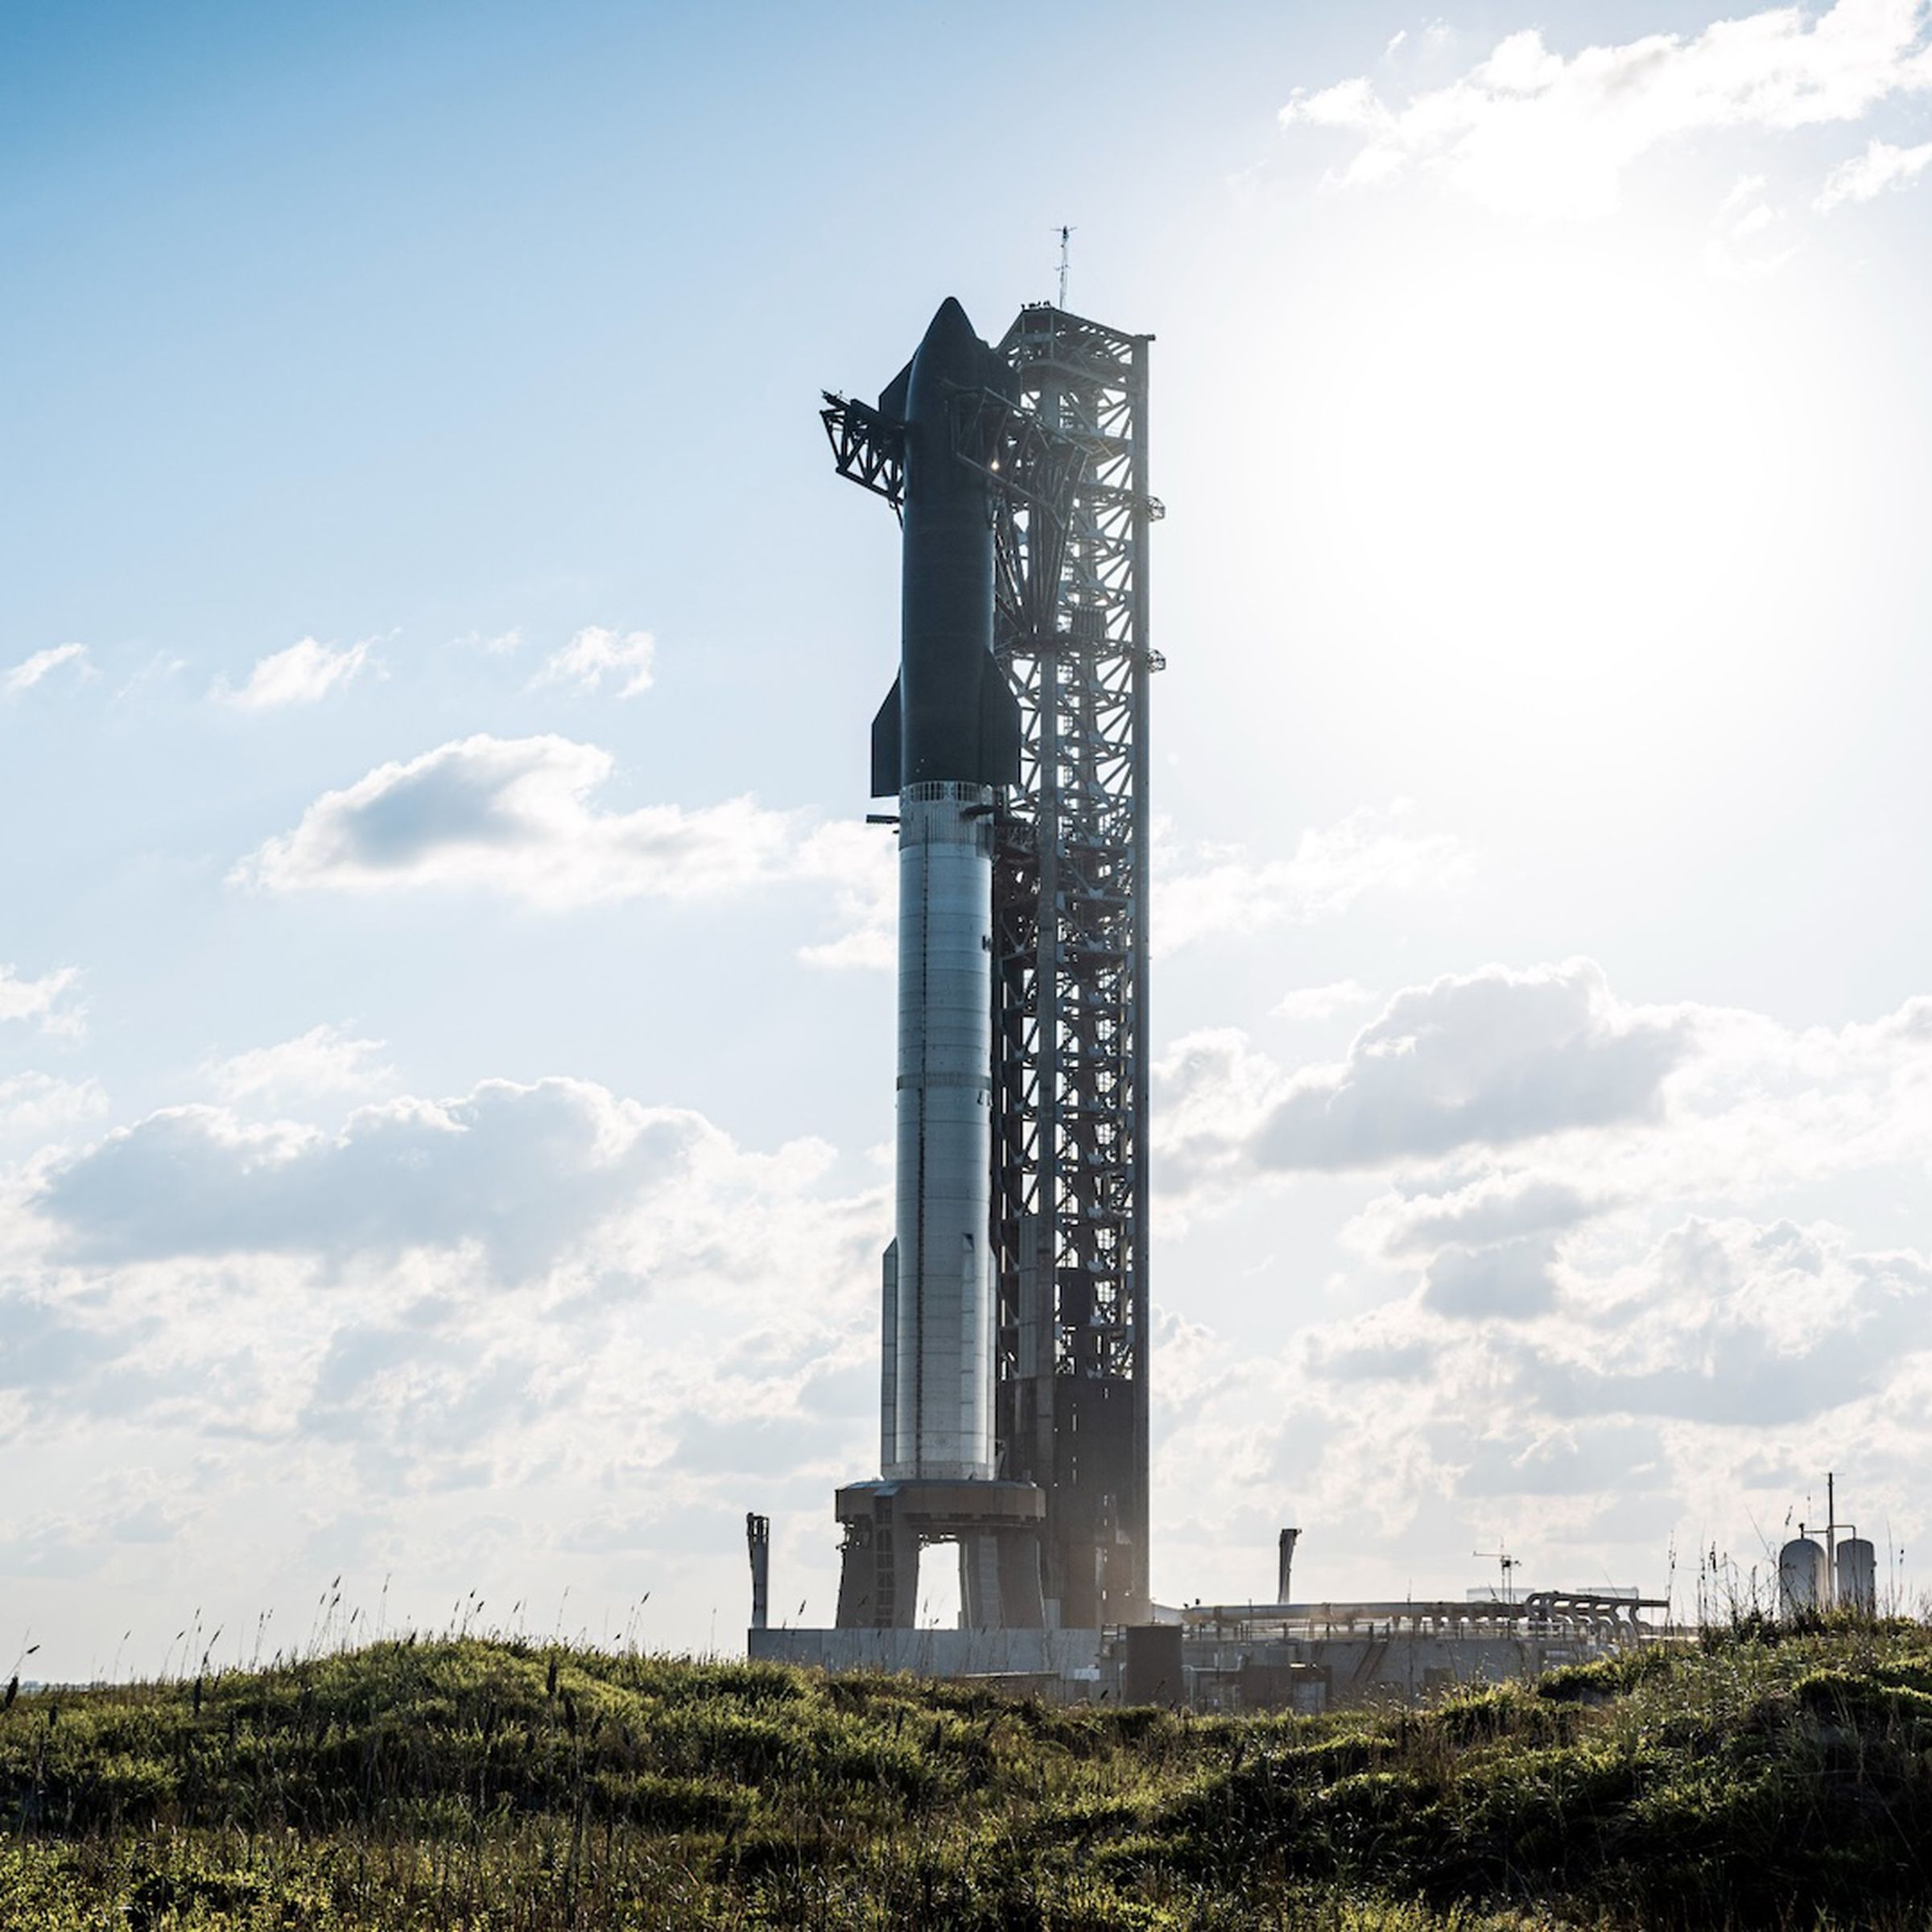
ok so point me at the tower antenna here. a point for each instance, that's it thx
(1504, 1563)
(1065, 240)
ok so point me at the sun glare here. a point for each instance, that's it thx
(1543, 487)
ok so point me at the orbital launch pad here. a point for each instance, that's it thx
(1013, 1415)
(1013, 1312)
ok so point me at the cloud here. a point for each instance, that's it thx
(546, 1291)
(515, 816)
(1509, 1280)
(1493, 1057)
(1617, 1323)
(595, 653)
(1530, 132)
(323, 1061)
(425, 1403)
(1880, 167)
(1499, 1207)
(1213, 1092)
(44, 1002)
(1738, 1323)
(761, 1445)
(1554, 1460)
(860, 864)
(154, 672)
(38, 1111)
(1321, 1002)
(1748, 232)
(1368, 1360)
(1216, 891)
(1601, 1106)
(520, 1172)
(518, 816)
(43, 1347)
(303, 673)
(30, 671)
(119, 1508)
(1615, 1398)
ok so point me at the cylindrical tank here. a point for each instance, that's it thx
(941, 1383)
(1857, 1576)
(1801, 1577)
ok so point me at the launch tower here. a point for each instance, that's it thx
(1070, 900)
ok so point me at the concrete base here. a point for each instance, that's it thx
(997, 1526)
(1304, 1675)
(1326, 1673)
(1071, 1656)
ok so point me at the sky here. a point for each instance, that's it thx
(445, 1038)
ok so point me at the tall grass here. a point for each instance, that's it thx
(1765, 1777)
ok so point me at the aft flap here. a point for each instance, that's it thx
(1000, 727)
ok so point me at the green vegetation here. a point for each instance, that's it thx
(1761, 1778)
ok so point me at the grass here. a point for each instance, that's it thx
(1762, 1778)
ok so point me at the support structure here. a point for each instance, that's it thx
(1070, 937)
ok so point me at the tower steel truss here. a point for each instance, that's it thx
(1070, 934)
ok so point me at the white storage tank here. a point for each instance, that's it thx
(1801, 1577)
(1858, 1575)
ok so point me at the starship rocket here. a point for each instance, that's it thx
(946, 741)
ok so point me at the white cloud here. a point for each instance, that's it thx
(1881, 167)
(1308, 1003)
(44, 1001)
(1500, 1206)
(38, 1112)
(1446, 1072)
(1736, 1323)
(1748, 232)
(595, 653)
(305, 673)
(1493, 1057)
(1611, 1319)
(566, 1299)
(30, 671)
(514, 815)
(1531, 132)
(1607, 1105)
(531, 1301)
(322, 1061)
(1699, 1374)
(518, 817)
(1509, 1280)
(1212, 1091)
(153, 674)
(860, 863)
(1212, 892)
(523, 1172)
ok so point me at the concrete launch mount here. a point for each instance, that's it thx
(1014, 1411)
